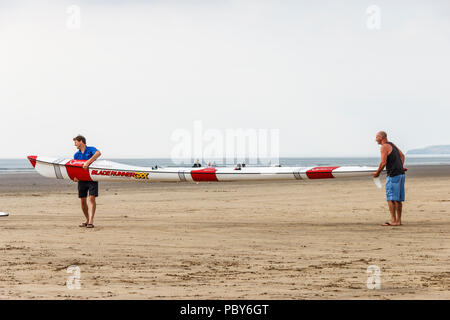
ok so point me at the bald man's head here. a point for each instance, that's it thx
(383, 134)
(381, 137)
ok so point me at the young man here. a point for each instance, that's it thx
(90, 154)
(393, 159)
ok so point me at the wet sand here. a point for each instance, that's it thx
(277, 240)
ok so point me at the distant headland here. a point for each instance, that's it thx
(442, 149)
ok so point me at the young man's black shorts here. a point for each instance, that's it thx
(85, 186)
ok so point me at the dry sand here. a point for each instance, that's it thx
(283, 240)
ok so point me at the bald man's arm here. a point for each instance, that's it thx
(402, 156)
(384, 150)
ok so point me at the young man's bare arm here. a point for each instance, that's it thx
(92, 159)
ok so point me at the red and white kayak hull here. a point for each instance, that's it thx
(103, 170)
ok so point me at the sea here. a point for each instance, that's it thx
(24, 166)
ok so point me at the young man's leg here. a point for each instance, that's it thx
(82, 194)
(84, 207)
(93, 192)
(92, 207)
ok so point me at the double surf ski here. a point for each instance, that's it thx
(104, 170)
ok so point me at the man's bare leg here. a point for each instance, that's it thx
(398, 212)
(391, 206)
(92, 208)
(84, 207)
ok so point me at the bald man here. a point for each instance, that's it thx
(393, 159)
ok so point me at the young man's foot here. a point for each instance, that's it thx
(391, 224)
(89, 225)
(84, 224)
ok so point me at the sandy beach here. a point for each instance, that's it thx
(274, 240)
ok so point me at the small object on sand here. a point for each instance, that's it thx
(4, 214)
(377, 182)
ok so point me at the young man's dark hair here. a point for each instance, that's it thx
(80, 138)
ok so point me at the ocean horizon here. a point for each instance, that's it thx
(23, 165)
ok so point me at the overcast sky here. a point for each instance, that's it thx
(136, 71)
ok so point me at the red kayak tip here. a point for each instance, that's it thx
(32, 160)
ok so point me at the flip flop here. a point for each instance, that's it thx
(89, 225)
(84, 224)
(386, 224)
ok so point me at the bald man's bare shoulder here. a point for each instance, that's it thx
(386, 147)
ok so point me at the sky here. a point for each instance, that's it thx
(129, 74)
